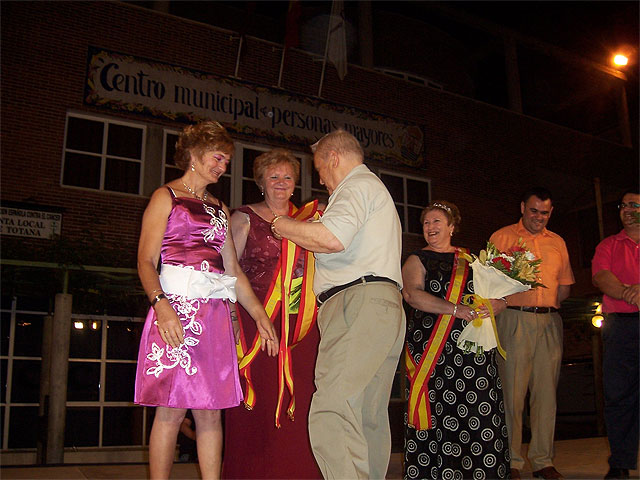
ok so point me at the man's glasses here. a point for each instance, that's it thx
(623, 205)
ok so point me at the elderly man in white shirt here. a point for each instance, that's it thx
(358, 247)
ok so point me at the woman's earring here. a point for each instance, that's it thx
(193, 167)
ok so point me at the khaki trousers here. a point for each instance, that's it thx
(533, 343)
(361, 336)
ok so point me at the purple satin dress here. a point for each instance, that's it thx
(203, 372)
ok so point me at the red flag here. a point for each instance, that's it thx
(292, 35)
(337, 39)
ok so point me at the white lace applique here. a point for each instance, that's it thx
(218, 225)
(168, 357)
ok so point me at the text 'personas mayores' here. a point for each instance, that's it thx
(142, 85)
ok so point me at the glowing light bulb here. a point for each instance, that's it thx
(620, 60)
(597, 321)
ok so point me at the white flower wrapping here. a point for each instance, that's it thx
(488, 282)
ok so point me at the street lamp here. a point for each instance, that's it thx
(620, 60)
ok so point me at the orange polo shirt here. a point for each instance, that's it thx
(555, 268)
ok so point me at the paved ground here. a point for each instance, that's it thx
(584, 458)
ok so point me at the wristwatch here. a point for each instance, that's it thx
(157, 298)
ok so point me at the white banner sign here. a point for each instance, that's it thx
(20, 222)
(127, 83)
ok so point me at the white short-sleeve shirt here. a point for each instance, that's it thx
(362, 215)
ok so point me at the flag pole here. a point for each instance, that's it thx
(284, 50)
(238, 56)
(326, 50)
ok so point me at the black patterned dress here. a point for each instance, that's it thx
(469, 434)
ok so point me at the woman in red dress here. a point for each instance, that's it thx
(255, 447)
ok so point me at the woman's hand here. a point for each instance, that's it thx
(235, 324)
(168, 324)
(269, 342)
(466, 313)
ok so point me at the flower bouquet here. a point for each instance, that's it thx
(496, 274)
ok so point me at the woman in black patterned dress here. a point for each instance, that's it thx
(454, 426)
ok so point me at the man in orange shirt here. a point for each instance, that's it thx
(530, 330)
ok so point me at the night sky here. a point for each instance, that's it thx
(590, 29)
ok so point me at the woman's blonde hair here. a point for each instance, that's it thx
(200, 138)
(271, 158)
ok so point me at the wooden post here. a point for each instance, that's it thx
(45, 382)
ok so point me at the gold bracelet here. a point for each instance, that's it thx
(273, 228)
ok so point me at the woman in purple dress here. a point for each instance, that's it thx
(187, 357)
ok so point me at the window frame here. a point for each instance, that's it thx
(165, 134)
(404, 203)
(103, 155)
(237, 174)
(100, 404)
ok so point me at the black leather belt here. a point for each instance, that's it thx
(327, 294)
(534, 309)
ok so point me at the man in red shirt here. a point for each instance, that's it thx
(530, 330)
(616, 272)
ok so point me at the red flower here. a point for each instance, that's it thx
(514, 249)
(504, 261)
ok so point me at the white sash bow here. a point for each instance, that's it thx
(191, 283)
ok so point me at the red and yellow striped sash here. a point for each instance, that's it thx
(274, 303)
(419, 409)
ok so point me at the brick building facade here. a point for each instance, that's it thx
(477, 155)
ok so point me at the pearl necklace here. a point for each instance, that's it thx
(193, 192)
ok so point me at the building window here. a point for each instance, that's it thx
(169, 170)
(103, 154)
(103, 354)
(250, 193)
(411, 78)
(411, 195)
